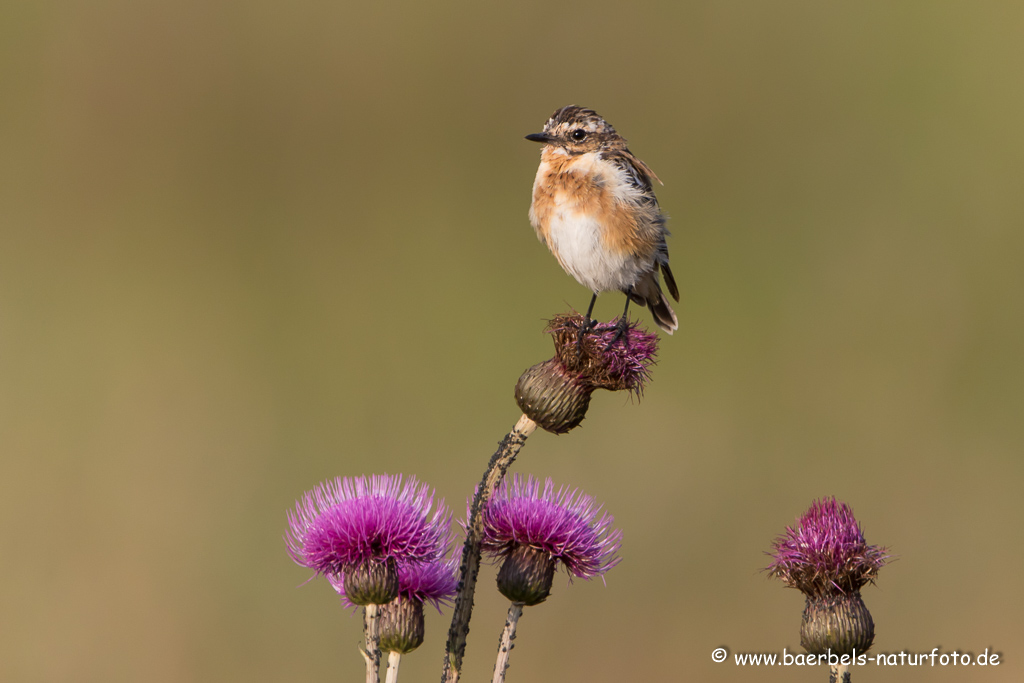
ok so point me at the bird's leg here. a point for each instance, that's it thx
(588, 324)
(623, 325)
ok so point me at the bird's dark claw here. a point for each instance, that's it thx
(620, 332)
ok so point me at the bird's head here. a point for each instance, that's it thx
(578, 130)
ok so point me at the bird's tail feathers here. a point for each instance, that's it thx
(650, 294)
(670, 281)
(664, 316)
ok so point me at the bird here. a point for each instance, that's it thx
(594, 207)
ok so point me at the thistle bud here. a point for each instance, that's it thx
(838, 623)
(553, 397)
(401, 620)
(526, 575)
(372, 583)
(401, 625)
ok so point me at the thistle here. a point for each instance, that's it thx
(531, 531)
(827, 558)
(360, 533)
(556, 393)
(402, 626)
(348, 524)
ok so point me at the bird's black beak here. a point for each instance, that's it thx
(540, 137)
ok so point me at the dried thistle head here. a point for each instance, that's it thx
(556, 393)
(625, 365)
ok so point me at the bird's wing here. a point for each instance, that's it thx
(639, 173)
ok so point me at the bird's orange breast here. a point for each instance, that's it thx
(586, 186)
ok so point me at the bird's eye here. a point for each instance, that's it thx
(578, 134)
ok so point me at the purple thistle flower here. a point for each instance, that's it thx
(826, 552)
(562, 524)
(347, 523)
(434, 582)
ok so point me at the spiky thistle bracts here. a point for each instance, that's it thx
(564, 523)
(348, 522)
(826, 551)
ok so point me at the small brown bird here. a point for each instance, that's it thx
(594, 207)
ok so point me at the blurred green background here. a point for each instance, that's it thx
(247, 246)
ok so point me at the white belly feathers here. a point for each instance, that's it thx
(575, 240)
